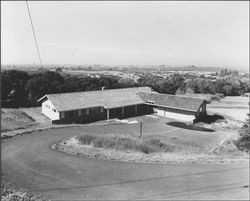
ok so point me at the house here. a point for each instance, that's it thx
(79, 107)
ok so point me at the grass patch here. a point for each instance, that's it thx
(12, 119)
(126, 143)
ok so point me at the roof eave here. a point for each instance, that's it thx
(172, 107)
(45, 96)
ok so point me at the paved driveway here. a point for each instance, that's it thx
(28, 161)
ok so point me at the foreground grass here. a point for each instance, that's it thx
(126, 143)
(10, 193)
(152, 151)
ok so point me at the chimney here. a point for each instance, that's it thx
(103, 87)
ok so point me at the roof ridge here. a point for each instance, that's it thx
(172, 95)
(99, 90)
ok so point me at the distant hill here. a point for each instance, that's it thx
(96, 67)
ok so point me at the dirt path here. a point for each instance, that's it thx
(29, 162)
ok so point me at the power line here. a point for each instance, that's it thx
(33, 30)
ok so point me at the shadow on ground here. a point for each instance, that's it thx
(209, 119)
(189, 127)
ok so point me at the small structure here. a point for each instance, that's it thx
(83, 107)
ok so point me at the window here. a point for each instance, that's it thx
(83, 111)
(101, 109)
(79, 112)
(87, 111)
(71, 113)
(94, 110)
(54, 110)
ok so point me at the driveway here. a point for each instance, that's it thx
(29, 162)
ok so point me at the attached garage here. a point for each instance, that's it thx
(177, 107)
(175, 114)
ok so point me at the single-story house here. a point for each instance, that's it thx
(80, 107)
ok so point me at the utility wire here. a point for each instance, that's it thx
(33, 30)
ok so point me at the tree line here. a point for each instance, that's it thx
(20, 89)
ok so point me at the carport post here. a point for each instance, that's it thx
(107, 113)
(122, 111)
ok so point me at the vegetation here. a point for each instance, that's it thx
(10, 193)
(126, 143)
(243, 142)
(20, 89)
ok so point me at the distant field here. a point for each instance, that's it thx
(233, 107)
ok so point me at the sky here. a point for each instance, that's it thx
(199, 33)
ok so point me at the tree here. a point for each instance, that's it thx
(243, 142)
(13, 88)
(227, 90)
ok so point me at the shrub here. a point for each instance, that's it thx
(243, 142)
(144, 148)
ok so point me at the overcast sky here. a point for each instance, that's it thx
(171, 33)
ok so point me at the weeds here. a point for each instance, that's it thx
(125, 143)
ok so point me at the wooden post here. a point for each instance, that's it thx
(140, 130)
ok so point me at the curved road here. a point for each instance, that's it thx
(28, 161)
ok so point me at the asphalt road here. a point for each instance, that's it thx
(29, 162)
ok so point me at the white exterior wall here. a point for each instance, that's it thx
(174, 115)
(47, 110)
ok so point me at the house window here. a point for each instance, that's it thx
(79, 112)
(83, 111)
(87, 111)
(71, 113)
(101, 109)
(94, 110)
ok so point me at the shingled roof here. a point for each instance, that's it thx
(110, 98)
(172, 101)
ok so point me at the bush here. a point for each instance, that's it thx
(144, 148)
(243, 142)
